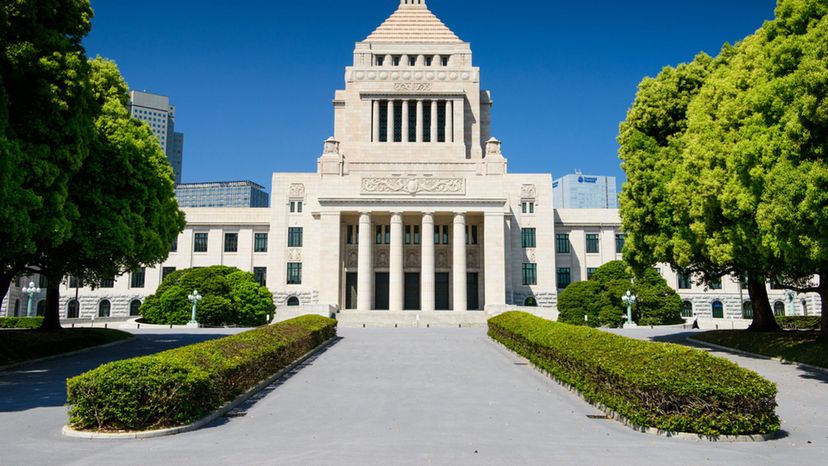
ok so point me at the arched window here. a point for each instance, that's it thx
(41, 308)
(718, 310)
(293, 301)
(72, 309)
(104, 308)
(531, 302)
(135, 308)
(747, 310)
(687, 309)
(17, 308)
(779, 309)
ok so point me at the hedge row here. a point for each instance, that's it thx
(663, 386)
(180, 386)
(800, 322)
(21, 322)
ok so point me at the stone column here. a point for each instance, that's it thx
(427, 261)
(405, 120)
(420, 124)
(494, 258)
(365, 266)
(433, 121)
(459, 265)
(459, 121)
(375, 120)
(390, 121)
(396, 278)
(330, 262)
(449, 119)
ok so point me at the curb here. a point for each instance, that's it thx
(147, 434)
(611, 414)
(71, 353)
(759, 356)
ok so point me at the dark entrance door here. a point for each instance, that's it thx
(351, 290)
(412, 291)
(381, 292)
(472, 291)
(441, 291)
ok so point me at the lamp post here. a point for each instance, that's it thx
(31, 291)
(194, 298)
(629, 299)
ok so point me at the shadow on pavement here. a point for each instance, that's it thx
(242, 409)
(43, 384)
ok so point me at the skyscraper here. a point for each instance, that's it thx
(581, 191)
(156, 111)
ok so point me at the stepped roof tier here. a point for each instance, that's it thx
(413, 22)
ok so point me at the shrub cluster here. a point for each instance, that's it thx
(21, 322)
(599, 298)
(800, 322)
(230, 297)
(658, 385)
(180, 386)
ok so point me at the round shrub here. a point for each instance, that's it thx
(230, 297)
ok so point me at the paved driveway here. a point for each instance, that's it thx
(406, 396)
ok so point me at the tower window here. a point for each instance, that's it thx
(379, 60)
(412, 61)
(395, 60)
(429, 60)
(445, 61)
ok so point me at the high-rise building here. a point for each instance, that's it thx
(156, 111)
(222, 194)
(579, 191)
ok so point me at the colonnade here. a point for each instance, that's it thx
(426, 124)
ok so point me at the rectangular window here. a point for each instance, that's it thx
(43, 283)
(108, 283)
(716, 283)
(383, 117)
(260, 275)
(200, 242)
(416, 234)
(619, 243)
(139, 278)
(743, 280)
(293, 207)
(528, 238)
(396, 60)
(445, 234)
(397, 122)
(530, 274)
(231, 242)
(407, 234)
(426, 118)
(564, 277)
(300, 207)
(379, 234)
(295, 239)
(590, 272)
(379, 60)
(387, 234)
(74, 282)
(260, 242)
(445, 61)
(531, 207)
(412, 61)
(562, 243)
(166, 271)
(429, 60)
(294, 274)
(174, 245)
(684, 281)
(474, 238)
(349, 238)
(593, 244)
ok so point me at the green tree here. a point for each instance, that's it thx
(46, 124)
(230, 297)
(125, 196)
(600, 298)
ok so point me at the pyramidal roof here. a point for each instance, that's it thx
(413, 22)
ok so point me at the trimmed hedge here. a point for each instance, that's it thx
(31, 323)
(800, 322)
(180, 386)
(658, 385)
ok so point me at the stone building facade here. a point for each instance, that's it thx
(411, 215)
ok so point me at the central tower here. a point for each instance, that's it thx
(412, 99)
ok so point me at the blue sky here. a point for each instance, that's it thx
(253, 80)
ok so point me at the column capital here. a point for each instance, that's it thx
(460, 217)
(428, 216)
(396, 217)
(365, 217)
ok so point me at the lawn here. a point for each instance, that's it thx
(793, 346)
(18, 346)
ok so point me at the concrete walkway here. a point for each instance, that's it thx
(413, 396)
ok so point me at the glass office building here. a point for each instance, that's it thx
(237, 194)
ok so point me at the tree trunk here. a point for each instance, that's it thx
(51, 321)
(763, 318)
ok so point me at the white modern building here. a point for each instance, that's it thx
(579, 191)
(411, 215)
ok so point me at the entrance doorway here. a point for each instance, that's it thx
(472, 291)
(412, 291)
(351, 280)
(381, 292)
(441, 291)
